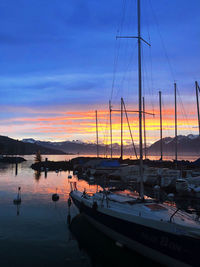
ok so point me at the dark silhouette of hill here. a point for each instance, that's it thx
(75, 147)
(78, 147)
(189, 145)
(9, 146)
(186, 145)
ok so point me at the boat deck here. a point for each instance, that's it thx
(149, 209)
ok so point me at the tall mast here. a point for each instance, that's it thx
(110, 109)
(121, 128)
(161, 141)
(176, 141)
(140, 102)
(197, 96)
(144, 130)
(97, 137)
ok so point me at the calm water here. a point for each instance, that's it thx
(36, 233)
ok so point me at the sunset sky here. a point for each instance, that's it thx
(60, 61)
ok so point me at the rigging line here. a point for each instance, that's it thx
(127, 70)
(126, 47)
(151, 63)
(182, 107)
(146, 83)
(130, 17)
(162, 42)
(145, 73)
(183, 110)
(102, 130)
(105, 140)
(151, 87)
(166, 122)
(130, 130)
(128, 65)
(127, 42)
(117, 46)
(152, 82)
(106, 137)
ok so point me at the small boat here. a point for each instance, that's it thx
(69, 176)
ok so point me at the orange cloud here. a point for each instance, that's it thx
(62, 124)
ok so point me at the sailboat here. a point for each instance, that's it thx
(158, 231)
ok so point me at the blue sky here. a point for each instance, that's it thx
(59, 55)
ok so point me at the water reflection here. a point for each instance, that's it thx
(102, 250)
(37, 175)
(40, 227)
(16, 169)
(18, 209)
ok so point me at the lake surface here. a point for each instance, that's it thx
(36, 233)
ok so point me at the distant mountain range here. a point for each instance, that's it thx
(74, 147)
(9, 146)
(189, 144)
(186, 145)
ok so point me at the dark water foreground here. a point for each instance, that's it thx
(101, 250)
(37, 233)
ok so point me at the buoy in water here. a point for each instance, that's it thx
(18, 200)
(55, 197)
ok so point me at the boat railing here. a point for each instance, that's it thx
(173, 214)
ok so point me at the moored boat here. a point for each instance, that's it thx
(158, 231)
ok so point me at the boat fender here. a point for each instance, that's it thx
(94, 206)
